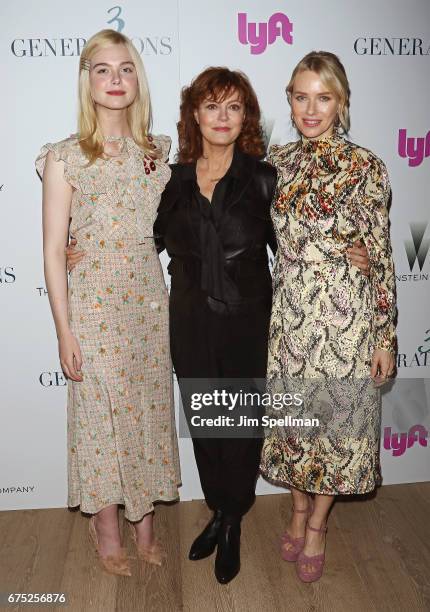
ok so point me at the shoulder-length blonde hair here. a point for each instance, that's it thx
(138, 113)
(332, 73)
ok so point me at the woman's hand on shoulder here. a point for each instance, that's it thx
(383, 365)
(163, 143)
(70, 356)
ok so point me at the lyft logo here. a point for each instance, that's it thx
(259, 35)
(399, 442)
(416, 149)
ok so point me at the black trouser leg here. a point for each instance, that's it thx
(207, 345)
(240, 461)
(228, 470)
(207, 452)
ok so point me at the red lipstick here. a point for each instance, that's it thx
(116, 92)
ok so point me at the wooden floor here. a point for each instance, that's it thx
(378, 558)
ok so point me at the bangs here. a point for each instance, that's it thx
(330, 81)
(219, 87)
(221, 94)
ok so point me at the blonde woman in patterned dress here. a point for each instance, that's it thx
(332, 333)
(112, 319)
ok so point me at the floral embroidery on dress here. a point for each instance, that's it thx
(328, 318)
(121, 431)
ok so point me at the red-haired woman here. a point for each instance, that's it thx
(214, 221)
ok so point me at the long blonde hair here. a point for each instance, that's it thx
(332, 73)
(139, 116)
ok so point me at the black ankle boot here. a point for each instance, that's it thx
(205, 543)
(227, 562)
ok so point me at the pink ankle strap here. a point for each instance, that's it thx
(320, 530)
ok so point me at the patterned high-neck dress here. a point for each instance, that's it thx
(122, 446)
(328, 318)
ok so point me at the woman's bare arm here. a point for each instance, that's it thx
(57, 197)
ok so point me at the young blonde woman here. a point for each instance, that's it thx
(332, 329)
(112, 318)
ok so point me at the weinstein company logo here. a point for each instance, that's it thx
(416, 252)
(260, 35)
(17, 489)
(72, 46)
(415, 149)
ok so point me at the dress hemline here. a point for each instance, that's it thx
(288, 485)
(133, 518)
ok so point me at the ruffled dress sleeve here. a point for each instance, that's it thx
(67, 151)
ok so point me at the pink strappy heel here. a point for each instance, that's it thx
(310, 569)
(291, 547)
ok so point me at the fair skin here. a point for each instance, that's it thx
(315, 110)
(111, 72)
(220, 124)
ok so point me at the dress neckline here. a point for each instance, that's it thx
(128, 146)
(325, 144)
(115, 138)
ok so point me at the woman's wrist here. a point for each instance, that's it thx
(64, 332)
(387, 344)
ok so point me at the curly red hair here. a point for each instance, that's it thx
(218, 83)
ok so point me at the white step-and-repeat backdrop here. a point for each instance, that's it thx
(385, 47)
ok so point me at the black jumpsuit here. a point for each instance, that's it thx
(220, 303)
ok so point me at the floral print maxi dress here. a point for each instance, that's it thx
(122, 446)
(327, 318)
